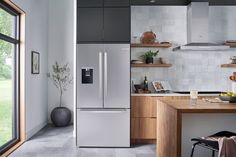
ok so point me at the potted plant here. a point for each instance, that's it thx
(149, 55)
(61, 78)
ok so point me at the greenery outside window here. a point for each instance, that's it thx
(9, 76)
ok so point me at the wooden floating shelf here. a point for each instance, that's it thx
(151, 65)
(228, 65)
(152, 45)
(233, 44)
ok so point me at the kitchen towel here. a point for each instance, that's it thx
(227, 146)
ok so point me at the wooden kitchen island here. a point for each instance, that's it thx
(178, 122)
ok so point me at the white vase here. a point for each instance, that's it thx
(234, 87)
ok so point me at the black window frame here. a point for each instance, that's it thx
(16, 101)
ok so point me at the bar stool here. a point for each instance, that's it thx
(210, 144)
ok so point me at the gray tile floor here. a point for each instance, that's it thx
(59, 142)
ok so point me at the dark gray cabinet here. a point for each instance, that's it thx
(90, 3)
(117, 24)
(103, 24)
(116, 3)
(101, 3)
(90, 24)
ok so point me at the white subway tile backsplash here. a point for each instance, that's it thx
(191, 70)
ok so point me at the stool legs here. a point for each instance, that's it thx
(193, 147)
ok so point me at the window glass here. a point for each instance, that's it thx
(6, 92)
(7, 23)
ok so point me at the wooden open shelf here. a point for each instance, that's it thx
(152, 45)
(151, 65)
(228, 65)
(233, 44)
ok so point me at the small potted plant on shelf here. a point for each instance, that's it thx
(149, 55)
(61, 78)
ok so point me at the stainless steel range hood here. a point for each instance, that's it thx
(197, 29)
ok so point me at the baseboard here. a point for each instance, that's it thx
(36, 129)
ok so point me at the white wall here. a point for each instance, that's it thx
(60, 48)
(36, 85)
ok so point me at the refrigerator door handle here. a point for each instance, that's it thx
(105, 74)
(100, 75)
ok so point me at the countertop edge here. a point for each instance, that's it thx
(171, 94)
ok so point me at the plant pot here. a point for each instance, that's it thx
(149, 60)
(61, 116)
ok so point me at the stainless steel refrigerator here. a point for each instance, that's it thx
(103, 95)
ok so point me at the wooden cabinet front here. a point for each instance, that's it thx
(143, 118)
(143, 106)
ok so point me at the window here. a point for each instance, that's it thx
(9, 76)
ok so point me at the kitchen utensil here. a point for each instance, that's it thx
(233, 59)
(137, 87)
(136, 62)
(233, 77)
(148, 37)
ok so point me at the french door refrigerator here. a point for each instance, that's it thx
(103, 95)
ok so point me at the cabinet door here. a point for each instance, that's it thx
(143, 106)
(143, 128)
(147, 128)
(116, 24)
(135, 128)
(89, 3)
(118, 3)
(89, 25)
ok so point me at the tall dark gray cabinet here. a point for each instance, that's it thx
(103, 21)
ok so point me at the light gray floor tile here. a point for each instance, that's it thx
(59, 142)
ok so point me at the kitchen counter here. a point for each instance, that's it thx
(178, 122)
(184, 106)
(169, 94)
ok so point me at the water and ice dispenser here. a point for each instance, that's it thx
(87, 75)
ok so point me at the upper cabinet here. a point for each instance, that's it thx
(116, 3)
(103, 21)
(90, 3)
(117, 24)
(90, 25)
(101, 3)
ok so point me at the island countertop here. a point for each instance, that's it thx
(178, 122)
(202, 106)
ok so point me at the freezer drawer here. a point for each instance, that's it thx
(103, 128)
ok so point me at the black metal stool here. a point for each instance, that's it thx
(209, 144)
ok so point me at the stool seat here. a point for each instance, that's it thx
(208, 143)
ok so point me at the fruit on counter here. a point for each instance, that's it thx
(228, 94)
